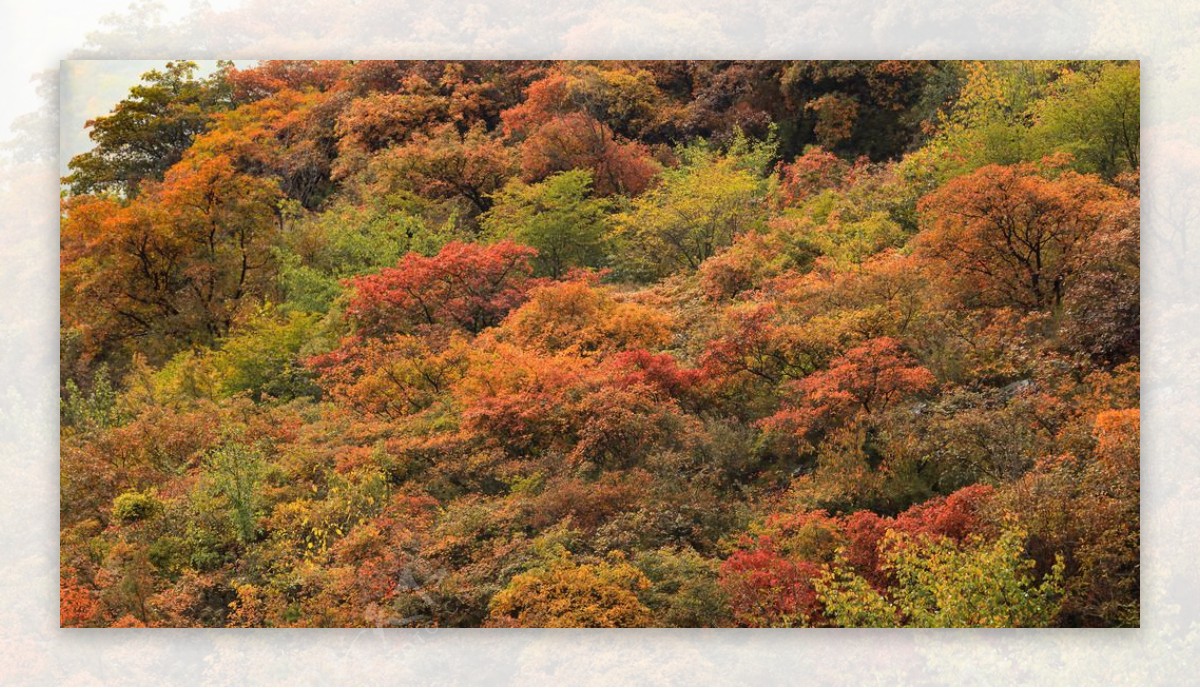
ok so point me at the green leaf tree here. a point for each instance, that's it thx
(1095, 116)
(235, 471)
(696, 210)
(558, 216)
(149, 130)
(941, 584)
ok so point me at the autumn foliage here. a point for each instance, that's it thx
(604, 344)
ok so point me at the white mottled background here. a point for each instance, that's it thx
(34, 36)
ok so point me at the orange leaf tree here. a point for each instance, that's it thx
(1011, 236)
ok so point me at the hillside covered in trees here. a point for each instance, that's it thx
(604, 344)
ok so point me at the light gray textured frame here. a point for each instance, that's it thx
(1166, 650)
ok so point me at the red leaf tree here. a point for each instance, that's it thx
(866, 379)
(465, 286)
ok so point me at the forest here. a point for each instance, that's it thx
(604, 344)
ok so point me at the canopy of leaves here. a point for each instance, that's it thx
(605, 344)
